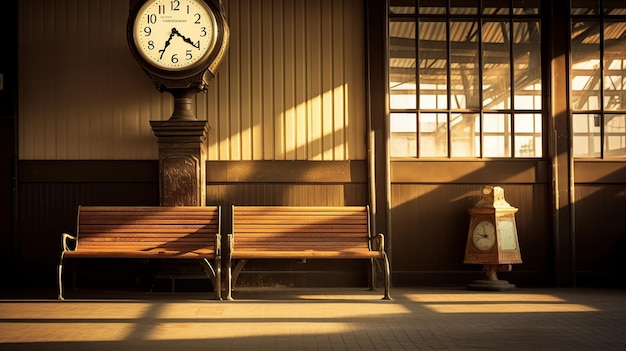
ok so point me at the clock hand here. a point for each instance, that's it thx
(167, 43)
(185, 39)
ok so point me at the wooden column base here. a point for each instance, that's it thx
(182, 159)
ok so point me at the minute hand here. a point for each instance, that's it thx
(167, 43)
(185, 39)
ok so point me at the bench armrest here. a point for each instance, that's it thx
(381, 241)
(64, 239)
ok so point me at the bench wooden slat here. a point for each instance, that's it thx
(165, 232)
(263, 254)
(139, 254)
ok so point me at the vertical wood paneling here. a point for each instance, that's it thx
(82, 95)
(298, 93)
(291, 87)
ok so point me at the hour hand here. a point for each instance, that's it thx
(185, 39)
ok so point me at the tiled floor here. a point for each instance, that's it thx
(314, 319)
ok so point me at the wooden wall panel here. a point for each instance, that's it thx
(82, 96)
(290, 88)
(600, 234)
(48, 209)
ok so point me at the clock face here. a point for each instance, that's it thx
(174, 34)
(484, 235)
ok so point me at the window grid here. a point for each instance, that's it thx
(464, 129)
(597, 89)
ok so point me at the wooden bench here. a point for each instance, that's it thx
(288, 232)
(147, 232)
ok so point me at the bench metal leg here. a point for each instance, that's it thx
(372, 279)
(233, 274)
(387, 277)
(215, 275)
(60, 278)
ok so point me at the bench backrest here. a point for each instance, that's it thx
(136, 231)
(301, 228)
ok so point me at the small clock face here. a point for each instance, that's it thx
(484, 235)
(174, 34)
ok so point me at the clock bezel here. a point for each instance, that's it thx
(493, 235)
(179, 76)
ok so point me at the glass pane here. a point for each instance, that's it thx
(585, 7)
(585, 69)
(431, 7)
(401, 7)
(403, 132)
(526, 7)
(495, 7)
(465, 135)
(433, 60)
(586, 130)
(433, 135)
(463, 7)
(528, 140)
(527, 65)
(402, 82)
(614, 7)
(496, 65)
(614, 66)
(496, 135)
(464, 65)
(615, 136)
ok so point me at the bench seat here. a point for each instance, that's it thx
(147, 232)
(302, 232)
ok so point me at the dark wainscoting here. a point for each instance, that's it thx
(429, 217)
(600, 219)
(48, 196)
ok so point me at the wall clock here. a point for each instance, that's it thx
(179, 43)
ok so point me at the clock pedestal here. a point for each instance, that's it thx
(182, 154)
(491, 281)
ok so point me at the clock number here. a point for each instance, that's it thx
(175, 58)
(147, 30)
(203, 32)
(152, 18)
(197, 15)
(151, 44)
(187, 9)
(188, 55)
(161, 9)
(175, 5)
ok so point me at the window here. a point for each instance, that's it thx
(465, 79)
(598, 78)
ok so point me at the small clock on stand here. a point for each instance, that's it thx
(492, 239)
